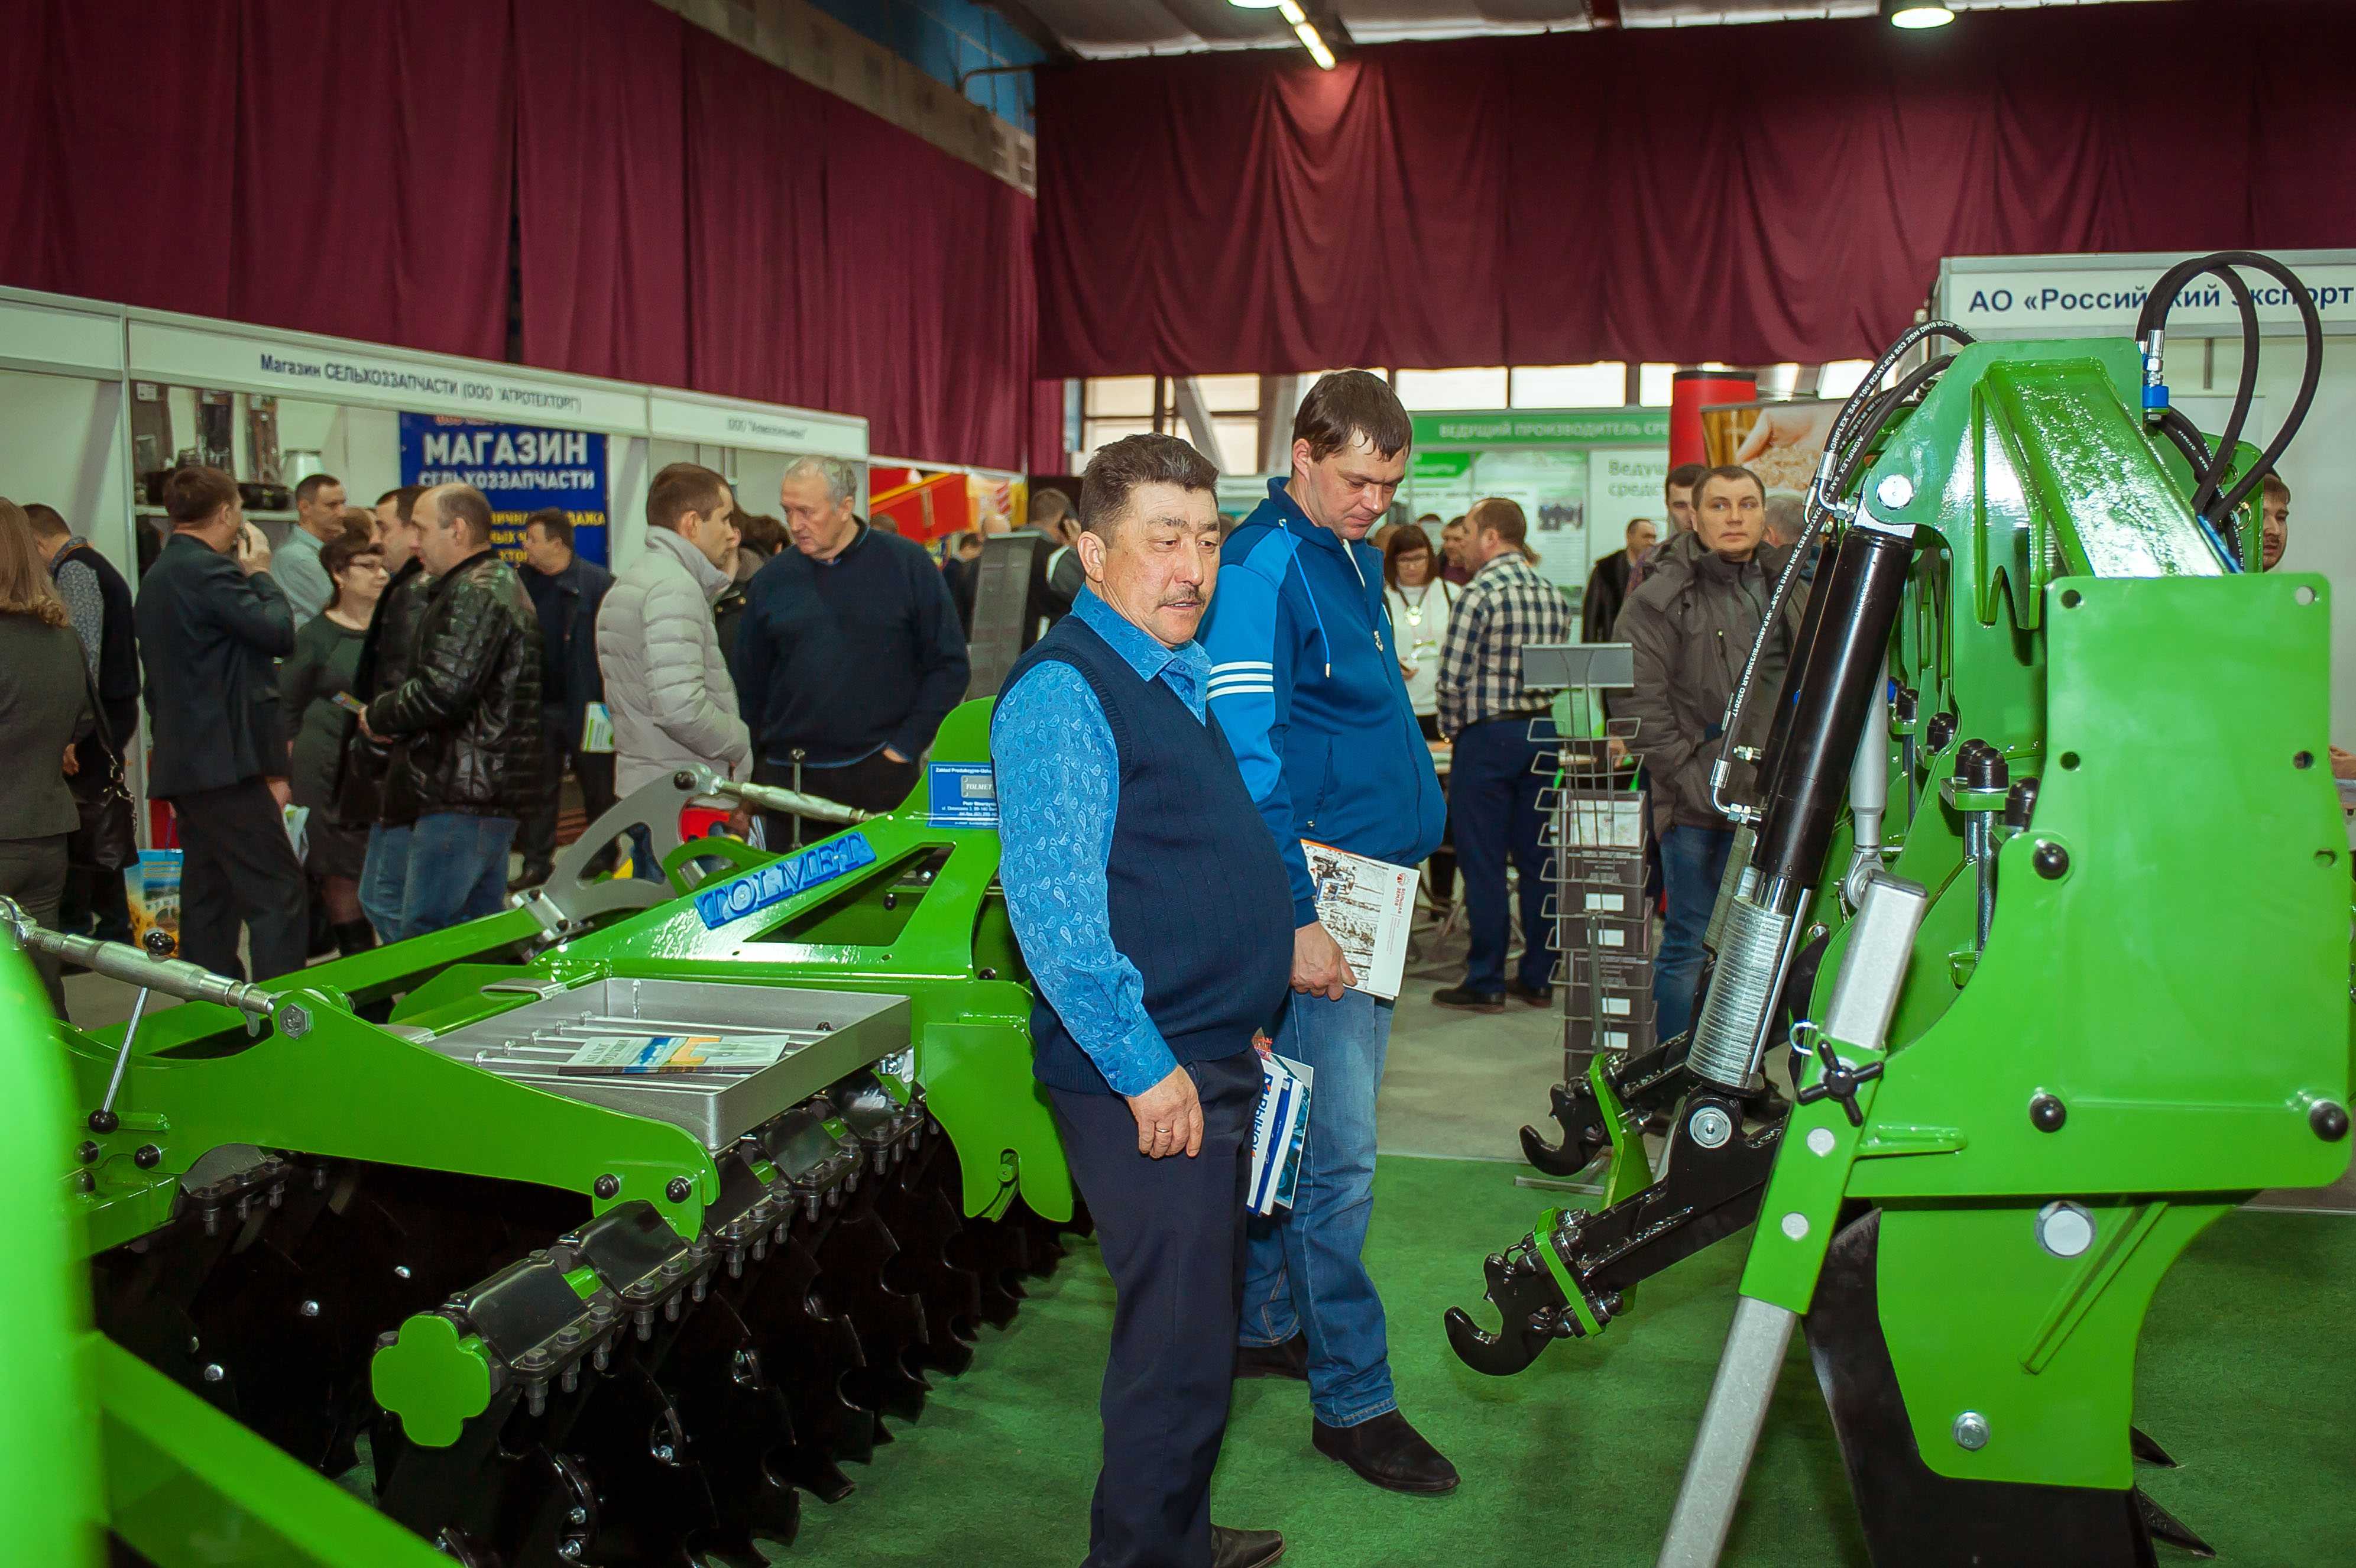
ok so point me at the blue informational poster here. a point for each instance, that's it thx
(963, 795)
(519, 468)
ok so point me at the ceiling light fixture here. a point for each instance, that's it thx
(1302, 27)
(1916, 13)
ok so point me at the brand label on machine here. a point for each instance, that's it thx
(781, 879)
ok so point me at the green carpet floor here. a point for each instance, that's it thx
(2248, 1374)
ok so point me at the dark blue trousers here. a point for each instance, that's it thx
(1172, 1231)
(1693, 862)
(1493, 812)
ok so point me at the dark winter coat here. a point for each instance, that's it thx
(467, 721)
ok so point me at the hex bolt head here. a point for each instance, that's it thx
(147, 1157)
(2046, 1114)
(679, 1188)
(606, 1186)
(1970, 1432)
(2065, 1230)
(2052, 861)
(2330, 1120)
(294, 1020)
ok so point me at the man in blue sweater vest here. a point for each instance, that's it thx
(1156, 919)
(1305, 680)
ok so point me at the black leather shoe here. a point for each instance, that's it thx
(1244, 1548)
(1290, 1359)
(1536, 995)
(1387, 1452)
(1462, 996)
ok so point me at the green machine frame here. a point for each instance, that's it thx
(2070, 982)
(333, 1209)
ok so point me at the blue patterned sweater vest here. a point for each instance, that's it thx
(1199, 898)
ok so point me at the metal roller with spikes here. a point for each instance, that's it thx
(598, 1232)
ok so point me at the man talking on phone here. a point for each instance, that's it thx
(1305, 681)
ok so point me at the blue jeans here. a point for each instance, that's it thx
(1306, 1272)
(1493, 811)
(384, 878)
(1693, 862)
(458, 871)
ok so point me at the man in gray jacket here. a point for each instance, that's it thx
(1691, 624)
(667, 686)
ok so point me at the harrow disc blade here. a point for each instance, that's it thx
(853, 1258)
(807, 1352)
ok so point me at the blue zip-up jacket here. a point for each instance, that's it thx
(1306, 684)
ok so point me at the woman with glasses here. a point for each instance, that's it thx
(314, 684)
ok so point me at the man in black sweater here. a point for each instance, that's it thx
(210, 623)
(850, 653)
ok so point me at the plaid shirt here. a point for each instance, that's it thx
(1506, 606)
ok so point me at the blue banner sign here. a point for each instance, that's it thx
(519, 468)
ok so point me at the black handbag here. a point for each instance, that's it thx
(107, 837)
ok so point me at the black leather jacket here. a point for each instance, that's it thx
(384, 665)
(465, 722)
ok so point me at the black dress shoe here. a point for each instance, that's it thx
(1536, 995)
(1387, 1452)
(1244, 1548)
(1464, 996)
(1290, 1359)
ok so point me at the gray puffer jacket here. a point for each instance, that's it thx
(1691, 623)
(666, 685)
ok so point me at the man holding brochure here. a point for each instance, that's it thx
(1156, 919)
(1305, 681)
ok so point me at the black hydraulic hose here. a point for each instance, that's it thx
(1845, 672)
(2154, 318)
(2189, 440)
(1878, 416)
(2204, 494)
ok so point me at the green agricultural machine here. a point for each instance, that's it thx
(590, 1234)
(2041, 876)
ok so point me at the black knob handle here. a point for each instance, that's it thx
(1985, 769)
(1908, 704)
(1939, 731)
(1839, 1081)
(2330, 1120)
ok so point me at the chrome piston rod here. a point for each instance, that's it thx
(117, 960)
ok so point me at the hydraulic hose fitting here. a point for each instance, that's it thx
(2155, 375)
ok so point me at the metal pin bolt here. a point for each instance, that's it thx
(1795, 1226)
(214, 1373)
(571, 1378)
(1970, 1432)
(1894, 491)
(2065, 1230)
(400, 1270)
(577, 1515)
(679, 1188)
(1820, 1140)
(606, 1187)
(1711, 1127)
(310, 1309)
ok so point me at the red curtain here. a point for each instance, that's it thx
(601, 187)
(130, 200)
(930, 330)
(378, 212)
(1752, 194)
(756, 226)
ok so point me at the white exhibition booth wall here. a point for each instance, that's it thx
(72, 370)
(2100, 295)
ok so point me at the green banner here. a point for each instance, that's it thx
(1543, 427)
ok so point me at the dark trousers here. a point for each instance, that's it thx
(536, 832)
(1693, 862)
(237, 869)
(33, 872)
(1171, 1233)
(1493, 812)
(873, 784)
(1440, 870)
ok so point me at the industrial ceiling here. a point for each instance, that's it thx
(1100, 29)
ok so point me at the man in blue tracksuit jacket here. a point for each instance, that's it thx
(1305, 681)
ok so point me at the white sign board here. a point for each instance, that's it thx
(37, 335)
(2100, 296)
(756, 426)
(321, 369)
